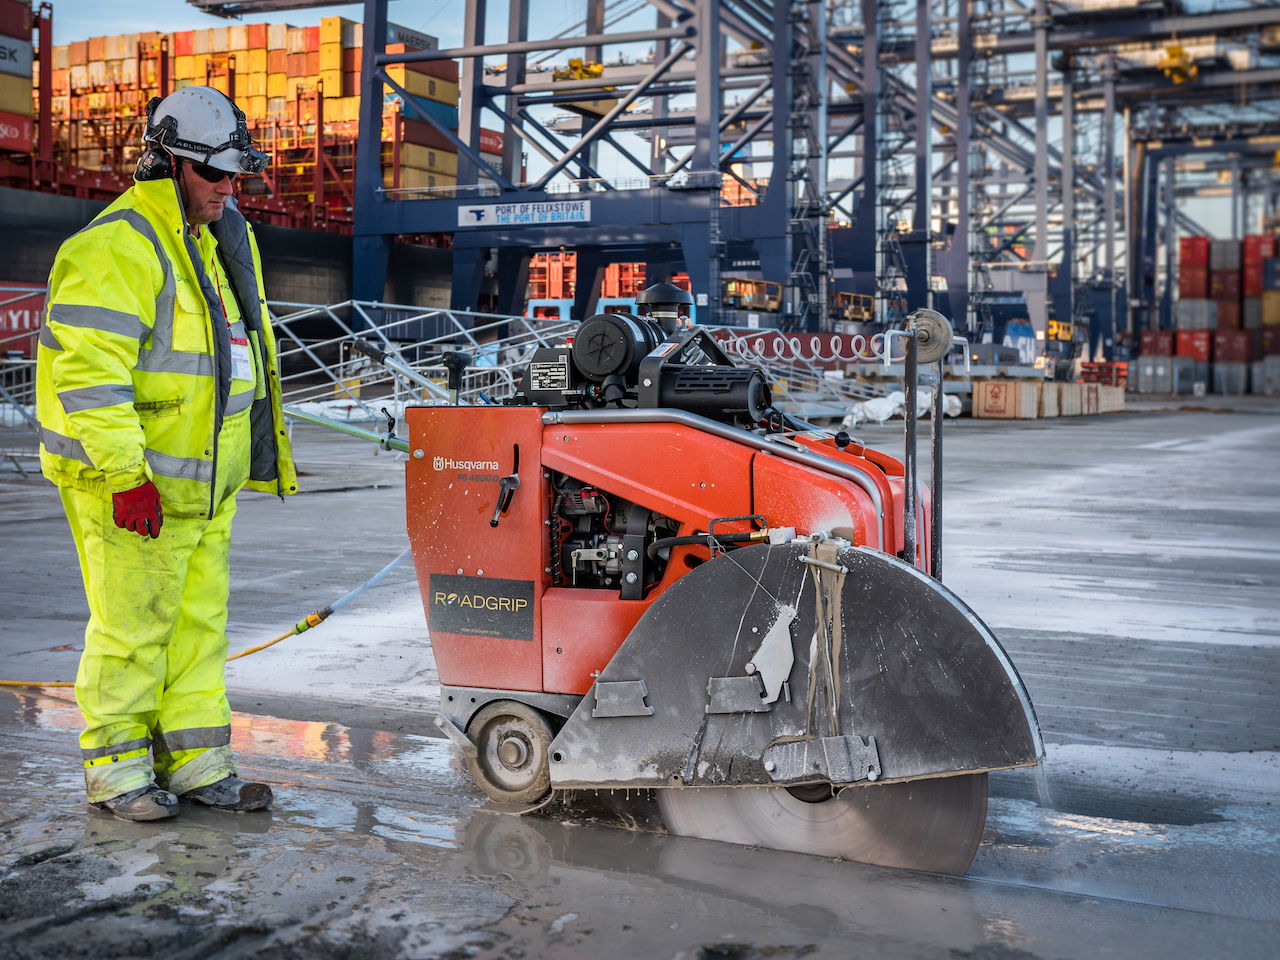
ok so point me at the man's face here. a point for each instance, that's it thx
(205, 200)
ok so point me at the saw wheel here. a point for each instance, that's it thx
(512, 744)
(932, 825)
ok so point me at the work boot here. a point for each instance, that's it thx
(145, 803)
(230, 793)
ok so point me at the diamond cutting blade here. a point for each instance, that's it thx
(932, 825)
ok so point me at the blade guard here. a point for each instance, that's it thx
(890, 677)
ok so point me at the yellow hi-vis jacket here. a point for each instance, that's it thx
(133, 377)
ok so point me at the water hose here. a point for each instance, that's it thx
(302, 626)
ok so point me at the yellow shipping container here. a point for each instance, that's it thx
(1271, 308)
(255, 61)
(421, 85)
(277, 84)
(255, 107)
(251, 85)
(332, 80)
(15, 95)
(330, 56)
(411, 179)
(337, 30)
(343, 108)
(184, 68)
(429, 158)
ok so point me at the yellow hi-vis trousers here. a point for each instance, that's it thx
(153, 673)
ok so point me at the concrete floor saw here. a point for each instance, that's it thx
(638, 574)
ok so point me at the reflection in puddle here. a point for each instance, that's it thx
(367, 818)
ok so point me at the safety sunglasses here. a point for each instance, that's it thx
(211, 174)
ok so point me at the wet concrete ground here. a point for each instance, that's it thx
(1129, 564)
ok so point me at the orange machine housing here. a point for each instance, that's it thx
(496, 619)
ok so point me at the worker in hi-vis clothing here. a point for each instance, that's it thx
(158, 397)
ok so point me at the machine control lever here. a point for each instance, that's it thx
(507, 487)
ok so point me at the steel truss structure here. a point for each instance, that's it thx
(1018, 151)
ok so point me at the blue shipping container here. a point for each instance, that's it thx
(1271, 274)
(446, 114)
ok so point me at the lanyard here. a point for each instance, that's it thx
(217, 284)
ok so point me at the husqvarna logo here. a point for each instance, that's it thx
(444, 463)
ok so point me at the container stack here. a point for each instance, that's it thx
(284, 78)
(1265, 370)
(1195, 317)
(16, 132)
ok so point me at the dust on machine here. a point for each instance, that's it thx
(639, 575)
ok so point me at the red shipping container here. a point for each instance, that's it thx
(19, 315)
(448, 70)
(15, 20)
(97, 48)
(350, 84)
(78, 53)
(183, 43)
(1196, 344)
(313, 62)
(1193, 283)
(1193, 252)
(1252, 286)
(313, 40)
(1224, 285)
(1157, 343)
(352, 57)
(1258, 247)
(1228, 314)
(425, 135)
(15, 132)
(1233, 346)
(296, 65)
(1270, 341)
(278, 61)
(257, 35)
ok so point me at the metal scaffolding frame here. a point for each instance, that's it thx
(1003, 155)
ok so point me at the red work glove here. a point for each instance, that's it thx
(139, 510)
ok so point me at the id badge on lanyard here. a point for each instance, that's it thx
(241, 364)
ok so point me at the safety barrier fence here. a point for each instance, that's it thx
(322, 374)
(20, 316)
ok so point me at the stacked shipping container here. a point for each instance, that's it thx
(278, 74)
(1228, 309)
(15, 76)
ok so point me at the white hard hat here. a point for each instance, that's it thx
(204, 125)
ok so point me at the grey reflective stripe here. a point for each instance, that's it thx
(47, 339)
(180, 468)
(91, 398)
(239, 402)
(94, 753)
(172, 361)
(162, 332)
(99, 318)
(193, 738)
(237, 330)
(62, 446)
